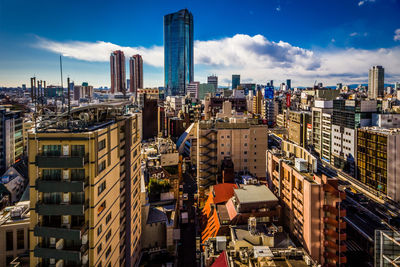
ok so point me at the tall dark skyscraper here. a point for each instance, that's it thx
(235, 81)
(178, 51)
(117, 70)
(136, 73)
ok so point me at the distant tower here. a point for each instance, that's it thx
(178, 51)
(136, 73)
(213, 80)
(289, 84)
(235, 81)
(376, 82)
(117, 70)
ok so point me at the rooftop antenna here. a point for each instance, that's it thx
(69, 98)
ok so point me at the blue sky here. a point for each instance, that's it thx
(328, 41)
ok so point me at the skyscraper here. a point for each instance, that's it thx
(178, 51)
(289, 84)
(213, 79)
(235, 81)
(117, 70)
(376, 82)
(136, 73)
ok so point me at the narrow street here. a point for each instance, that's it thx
(187, 248)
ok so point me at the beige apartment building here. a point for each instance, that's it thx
(14, 230)
(311, 203)
(85, 189)
(241, 139)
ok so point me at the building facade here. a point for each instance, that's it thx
(213, 80)
(178, 51)
(136, 73)
(376, 76)
(235, 81)
(117, 70)
(85, 191)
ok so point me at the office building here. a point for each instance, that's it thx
(298, 127)
(257, 103)
(321, 128)
(205, 88)
(311, 203)
(347, 117)
(84, 174)
(235, 81)
(136, 74)
(117, 70)
(378, 160)
(83, 91)
(213, 79)
(193, 90)
(376, 78)
(289, 84)
(11, 137)
(178, 51)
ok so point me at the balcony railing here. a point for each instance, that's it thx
(59, 185)
(74, 254)
(58, 209)
(65, 231)
(45, 161)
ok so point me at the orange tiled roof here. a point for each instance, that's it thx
(223, 192)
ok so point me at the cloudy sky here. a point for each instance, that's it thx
(328, 41)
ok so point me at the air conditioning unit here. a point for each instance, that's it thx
(52, 242)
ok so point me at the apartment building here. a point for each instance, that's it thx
(14, 230)
(298, 123)
(311, 203)
(378, 160)
(242, 139)
(85, 188)
(321, 128)
(347, 117)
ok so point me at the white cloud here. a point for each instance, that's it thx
(254, 57)
(353, 34)
(396, 36)
(100, 51)
(362, 2)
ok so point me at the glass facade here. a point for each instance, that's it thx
(178, 51)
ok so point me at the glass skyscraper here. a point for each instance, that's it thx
(178, 51)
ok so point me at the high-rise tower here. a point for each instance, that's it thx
(117, 70)
(178, 51)
(136, 73)
(376, 82)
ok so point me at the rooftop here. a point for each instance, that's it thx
(254, 194)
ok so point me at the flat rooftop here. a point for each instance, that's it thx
(254, 194)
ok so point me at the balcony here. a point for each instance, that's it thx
(61, 209)
(44, 161)
(74, 254)
(61, 231)
(49, 186)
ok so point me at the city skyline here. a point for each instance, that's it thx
(267, 46)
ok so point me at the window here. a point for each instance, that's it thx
(101, 188)
(102, 166)
(255, 146)
(102, 145)
(108, 235)
(222, 137)
(245, 152)
(101, 208)
(108, 218)
(52, 150)
(255, 153)
(245, 160)
(100, 229)
(99, 248)
(108, 252)
(9, 240)
(245, 144)
(222, 144)
(77, 150)
(255, 160)
(222, 153)
(228, 136)
(245, 136)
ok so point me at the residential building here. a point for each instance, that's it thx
(14, 231)
(136, 73)
(83, 91)
(386, 120)
(311, 203)
(85, 188)
(241, 138)
(257, 102)
(213, 79)
(347, 117)
(213, 104)
(149, 111)
(11, 138)
(376, 76)
(117, 70)
(178, 51)
(298, 124)
(15, 184)
(235, 81)
(378, 160)
(204, 89)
